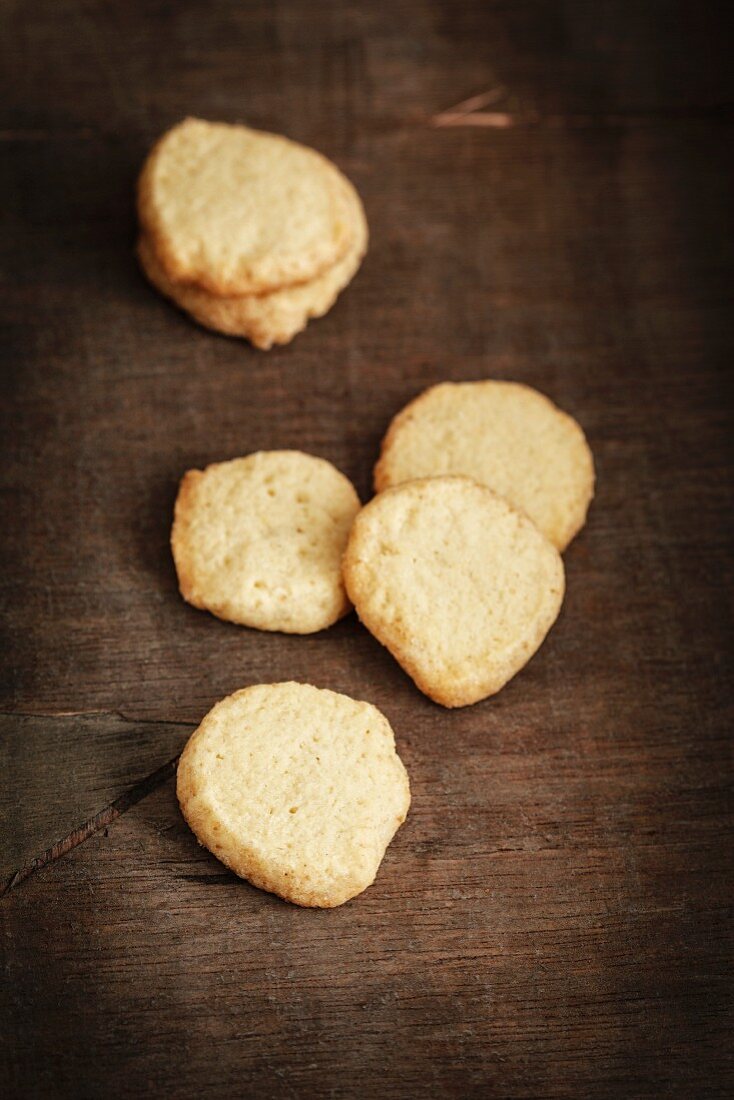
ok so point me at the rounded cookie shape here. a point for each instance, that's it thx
(259, 540)
(263, 319)
(295, 788)
(505, 435)
(240, 211)
(461, 587)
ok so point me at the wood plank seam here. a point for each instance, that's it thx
(132, 718)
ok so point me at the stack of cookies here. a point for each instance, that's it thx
(248, 232)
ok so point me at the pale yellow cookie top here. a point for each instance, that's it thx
(505, 435)
(295, 788)
(241, 211)
(264, 319)
(258, 540)
(461, 587)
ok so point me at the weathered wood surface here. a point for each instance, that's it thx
(60, 772)
(555, 917)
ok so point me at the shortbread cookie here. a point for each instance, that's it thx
(461, 587)
(506, 436)
(297, 789)
(264, 319)
(259, 540)
(240, 211)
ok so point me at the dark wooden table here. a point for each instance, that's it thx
(555, 917)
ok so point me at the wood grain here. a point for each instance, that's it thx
(523, 952)
(555, 918)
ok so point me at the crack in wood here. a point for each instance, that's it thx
(94, 824)
(211, 879)
(470, 112)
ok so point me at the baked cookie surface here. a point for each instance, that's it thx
(263, 319)
(295, 788)
(241, 211)
(504, 435)
(259, 540)
(458, 585)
